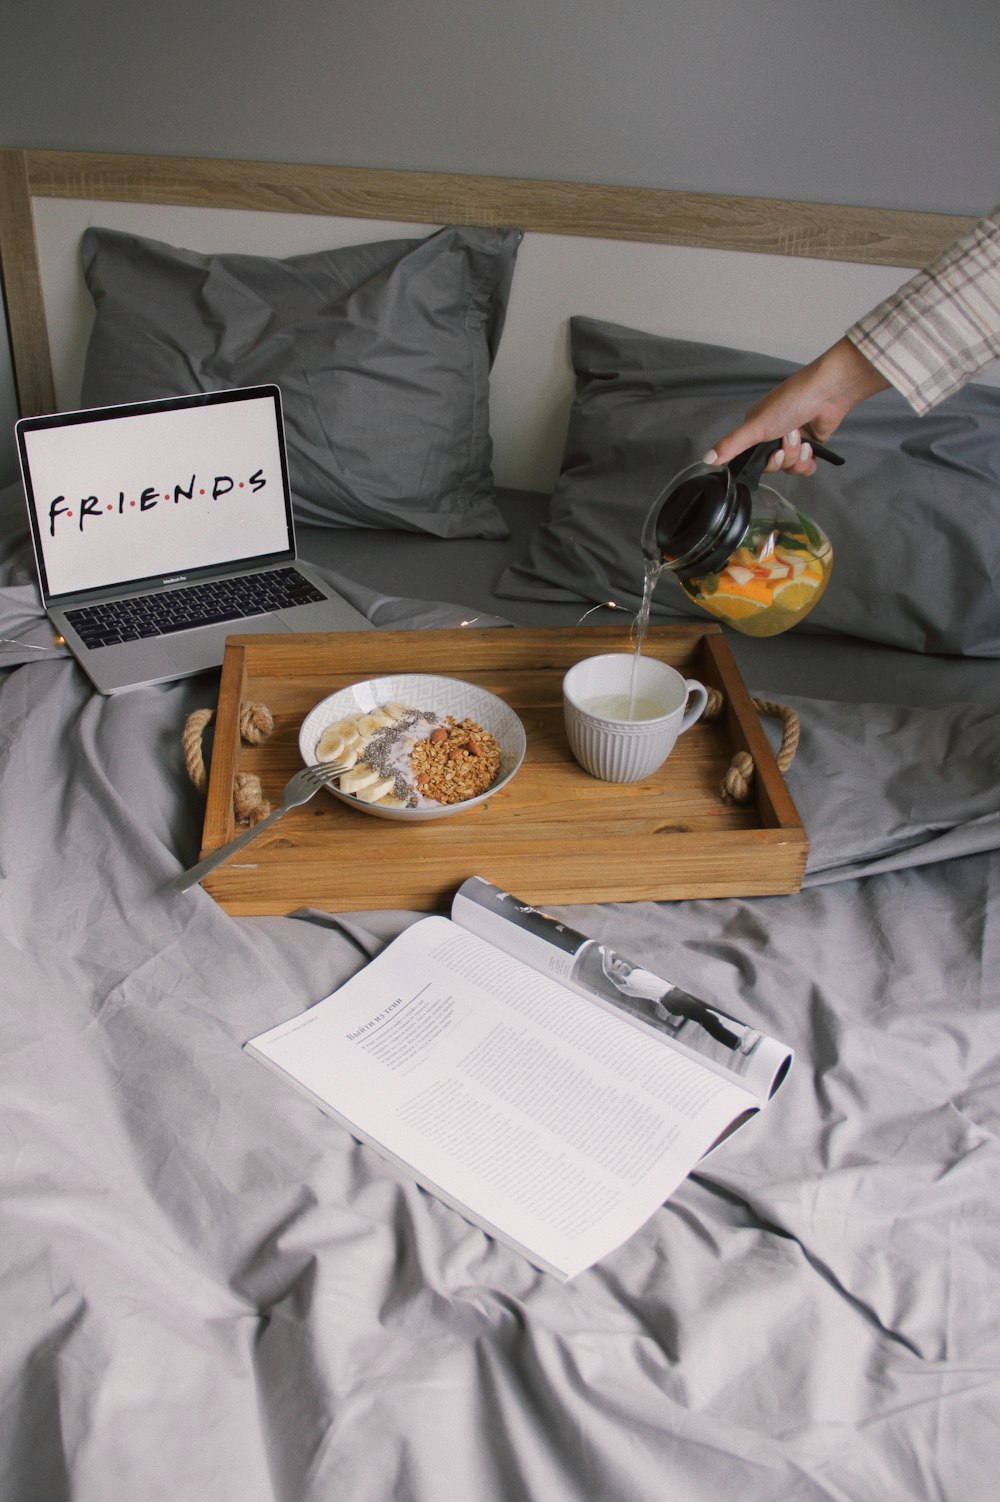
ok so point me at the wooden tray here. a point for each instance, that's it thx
(555, 834)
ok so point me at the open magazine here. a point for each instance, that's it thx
(541, 1084)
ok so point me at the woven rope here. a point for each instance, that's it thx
(713, 705)
(256, 724)
(737, 784)
(194, 728)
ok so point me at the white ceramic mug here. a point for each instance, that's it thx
(618, 736)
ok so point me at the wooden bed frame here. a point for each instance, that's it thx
(653, 289)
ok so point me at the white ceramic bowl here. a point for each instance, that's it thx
(447, 696)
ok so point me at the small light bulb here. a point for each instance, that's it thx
(604, 605)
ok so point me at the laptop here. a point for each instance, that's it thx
(162, 527)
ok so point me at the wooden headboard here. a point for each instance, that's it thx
(782, 276)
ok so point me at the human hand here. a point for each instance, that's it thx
(810, 405)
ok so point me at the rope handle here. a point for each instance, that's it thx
(256, 724)
(737, 784)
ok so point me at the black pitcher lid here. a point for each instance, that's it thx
(701, 521)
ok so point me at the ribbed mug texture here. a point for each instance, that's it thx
(627, 750)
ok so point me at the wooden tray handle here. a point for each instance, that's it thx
(737, 784)
(256, 724)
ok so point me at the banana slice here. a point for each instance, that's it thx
(376, 790)
(349, 730)
(346, 741)
(359, 776)
(330, 746)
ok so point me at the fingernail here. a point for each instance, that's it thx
(710, 458)
(793, 438)
(778, 458)
(806, 451)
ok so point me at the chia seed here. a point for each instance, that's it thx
(383, 753)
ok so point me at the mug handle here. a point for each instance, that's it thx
(697, 701)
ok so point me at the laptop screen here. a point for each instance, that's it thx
(140, 494)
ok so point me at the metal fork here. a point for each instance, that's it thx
(298, 789)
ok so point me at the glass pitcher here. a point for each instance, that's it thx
(738, 548)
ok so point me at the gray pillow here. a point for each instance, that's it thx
(382, 353)
(913, 516)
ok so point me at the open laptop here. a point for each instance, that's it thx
(161, 527)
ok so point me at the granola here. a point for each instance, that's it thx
(458, 760)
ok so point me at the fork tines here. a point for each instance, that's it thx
(325, 771)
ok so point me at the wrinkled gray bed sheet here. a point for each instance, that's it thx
(210, 1291)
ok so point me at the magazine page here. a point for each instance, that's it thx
(558, 1129)
(593, 969)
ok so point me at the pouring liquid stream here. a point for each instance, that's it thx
(653, 570)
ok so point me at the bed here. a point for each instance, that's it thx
(211, 1290)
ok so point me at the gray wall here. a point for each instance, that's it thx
(876, 102)
(891, 102)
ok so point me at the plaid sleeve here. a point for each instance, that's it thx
(943, 325)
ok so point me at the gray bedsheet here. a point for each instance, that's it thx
(210, 1291)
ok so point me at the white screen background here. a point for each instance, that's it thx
(222, 445)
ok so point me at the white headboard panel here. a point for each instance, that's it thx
(776, 304)
(784, 278)
(770, 303)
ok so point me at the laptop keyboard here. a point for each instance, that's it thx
(172, 610)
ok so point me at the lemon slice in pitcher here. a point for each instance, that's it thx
(796, 594)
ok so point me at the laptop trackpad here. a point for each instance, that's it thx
(196, 650)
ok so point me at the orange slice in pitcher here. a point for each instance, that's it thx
(732, 607)
(735, 600)
(739, 586)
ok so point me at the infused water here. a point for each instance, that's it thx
(623, 707)
(770, 582)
